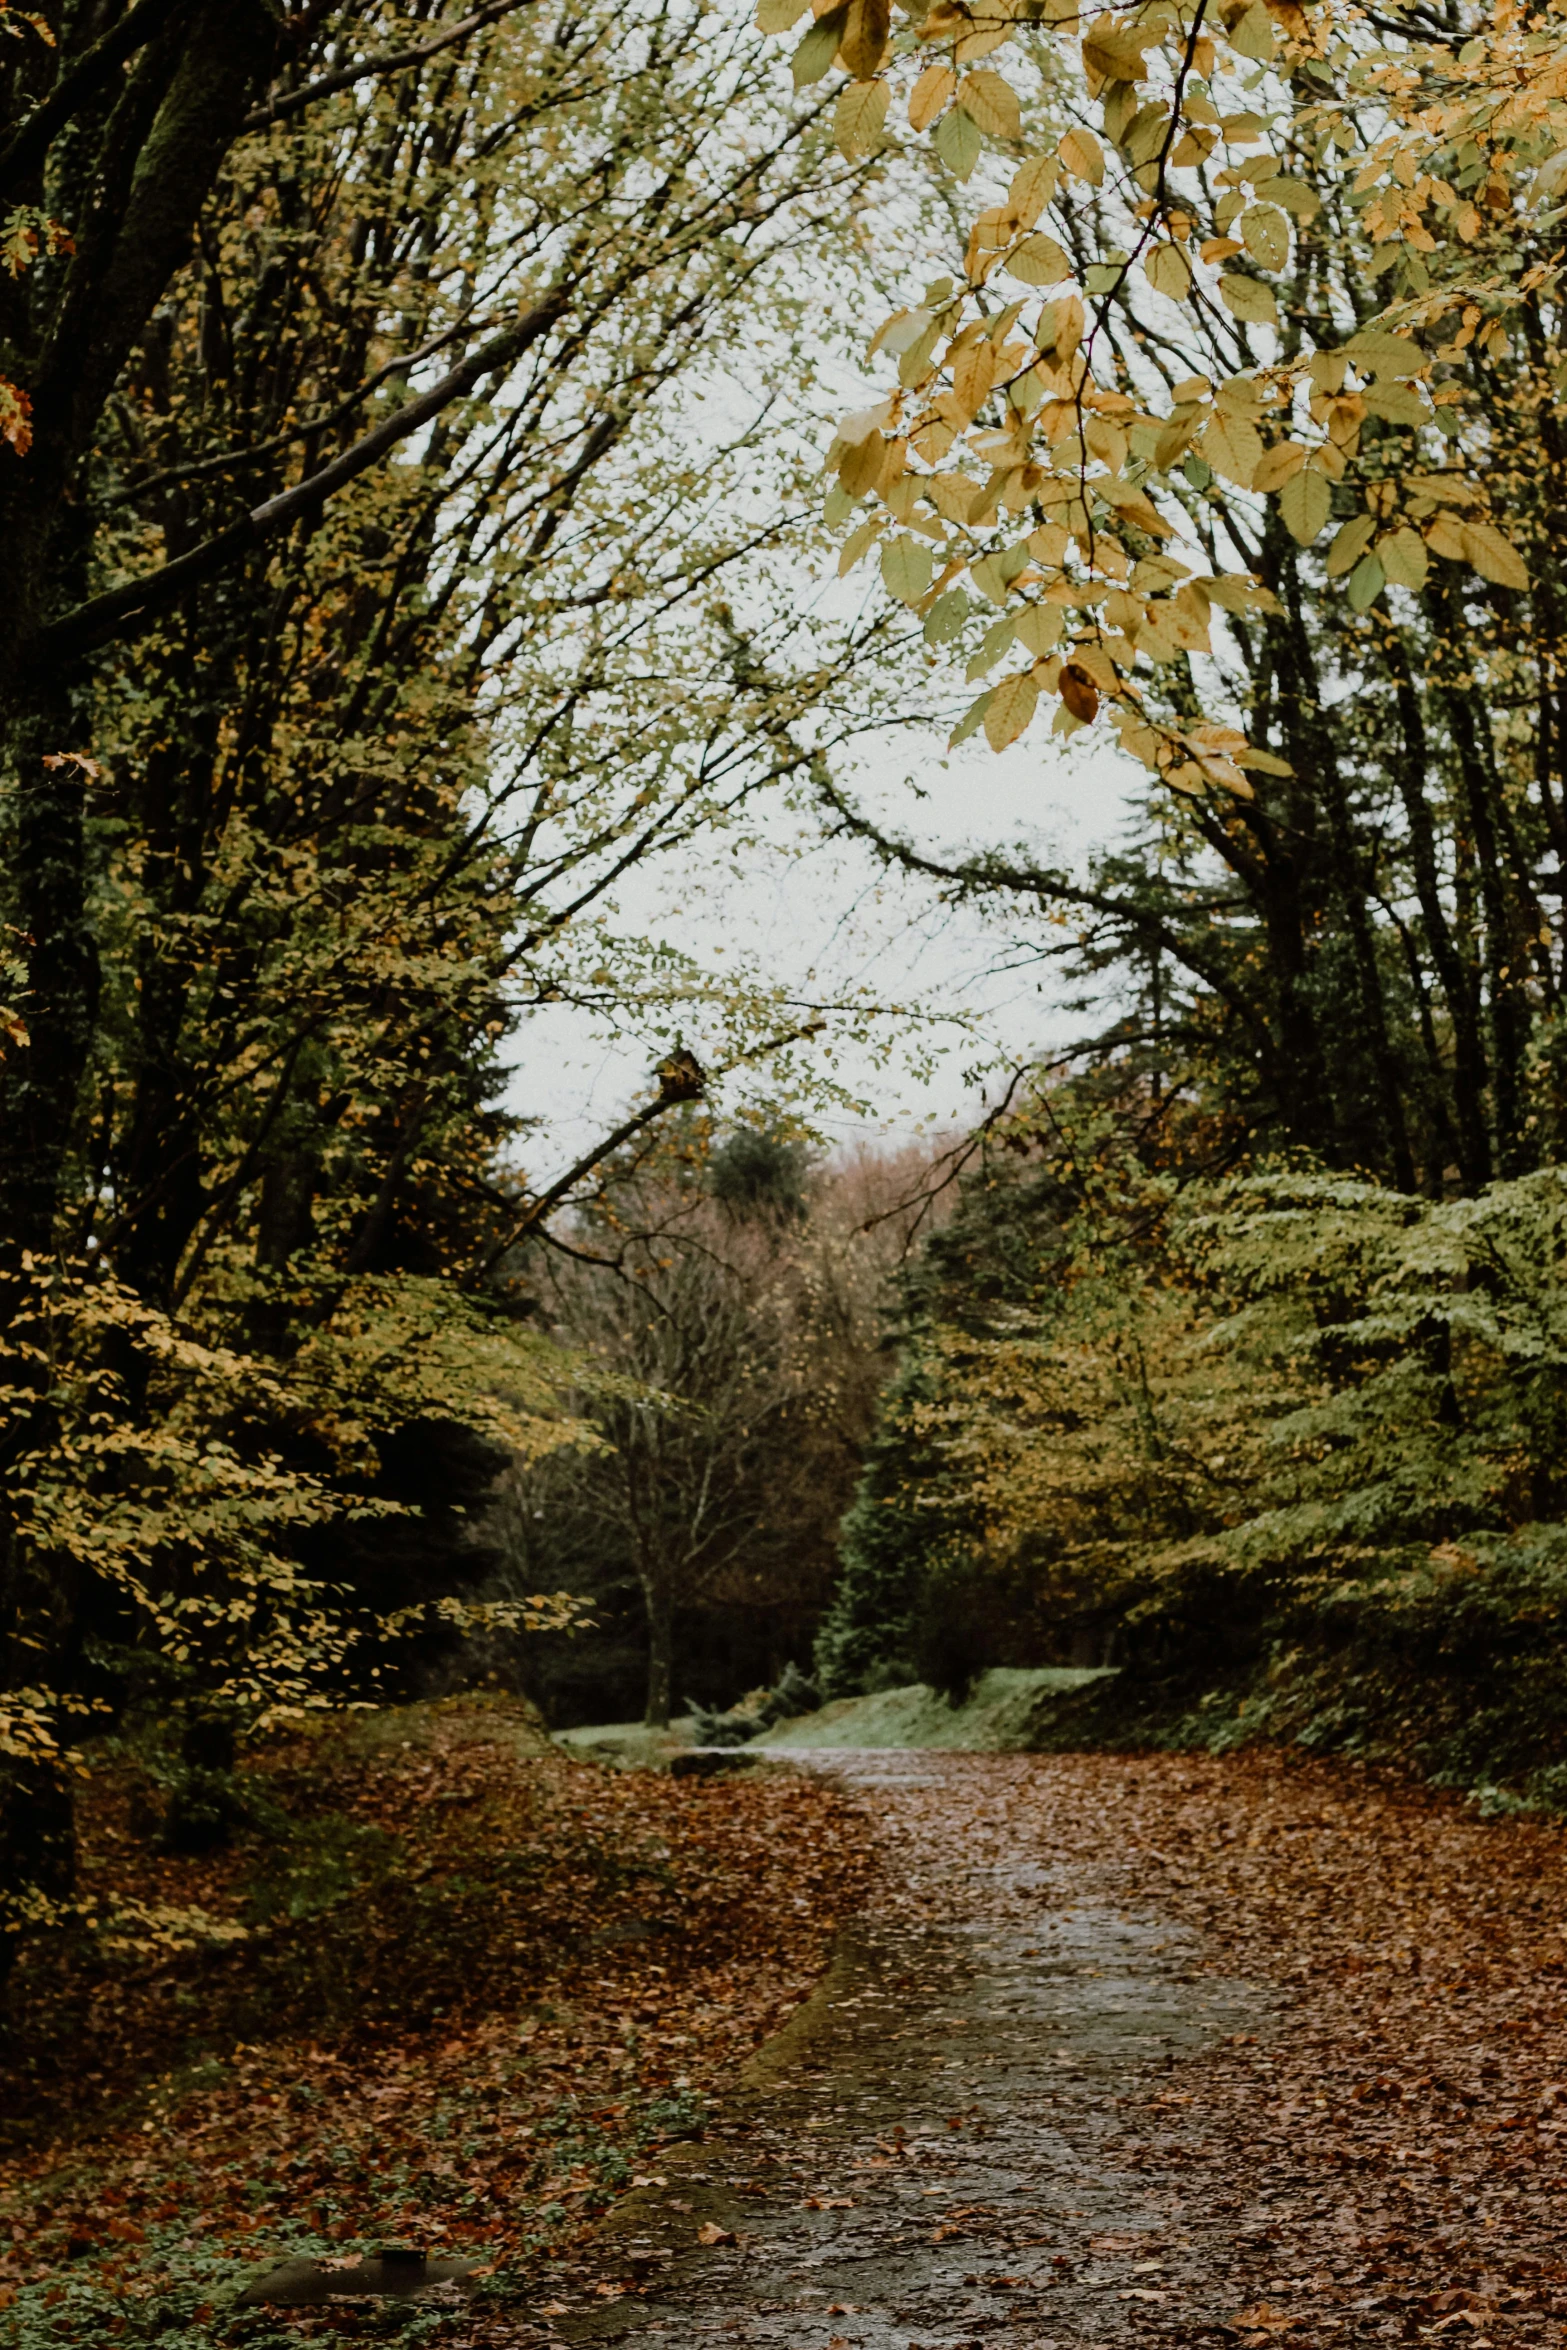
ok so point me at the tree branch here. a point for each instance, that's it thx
(368, 68)
(140, 600)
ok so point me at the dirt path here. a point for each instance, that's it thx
(1141, 2051)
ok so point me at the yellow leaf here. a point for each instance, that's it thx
(1279, 464)
(1009, 710)
(1233, 447)
(1169, 272)
(1033, 187)
(1445, 536)
(973, 376)
(1404, 558)
(777, 16)
(1493, 555)
(1306, 502)
(1397, 403)
(1083, 157)
(1038, 261)
(991, 102)
(1039, 626)
(858, 118)
(930, 94)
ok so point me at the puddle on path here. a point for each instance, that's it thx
(956, 2138)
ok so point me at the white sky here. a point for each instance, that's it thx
(829, 917)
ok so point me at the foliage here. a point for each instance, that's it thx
(729, 1294)
(474, 1987)
(1154, 452)
(395, 564)
(1285, 1432)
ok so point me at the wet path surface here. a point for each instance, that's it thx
(978, 2125)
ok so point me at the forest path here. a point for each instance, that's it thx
(935, 2146)
(1136, 2050)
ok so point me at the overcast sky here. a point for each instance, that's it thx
(828, 912)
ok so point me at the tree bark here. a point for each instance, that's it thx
(660, 1651)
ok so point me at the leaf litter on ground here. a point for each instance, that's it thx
(482, 1983)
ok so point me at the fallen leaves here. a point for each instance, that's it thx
(466, 2023)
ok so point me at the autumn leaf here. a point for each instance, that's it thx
(991, 102)
(1404, 558)
(858, 118)
(1492, 554)
(1277, 466)
(973, 376)
(864, 40)
(1010, 708)
(16, 417)
(1078, 692)
(1169, 272)
(1306, 503)
(930, 94)
(1039, 261)
(1082, 155)
(1233, 447)
(711, 2233)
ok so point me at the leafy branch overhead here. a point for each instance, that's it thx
(1223, 261)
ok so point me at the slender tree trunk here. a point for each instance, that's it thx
(660, 1650)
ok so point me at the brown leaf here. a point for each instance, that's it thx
(865, 36)
(1079, 692)
(711, 2233)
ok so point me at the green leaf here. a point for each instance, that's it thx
(972, 719)
(906, 566)
(1306, 502)
(1366, 583)
(816, 52)
(1145, 133)
(957, 141)
(1039, 261)
(946, 616)
(1350, 544)
(1249, 299)
(1265, 235)
(998, 639)
(1253, 36)
(780, 16)
(1295, 197)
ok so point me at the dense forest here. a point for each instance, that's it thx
(463, 465)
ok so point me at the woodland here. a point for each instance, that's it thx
(468, 466)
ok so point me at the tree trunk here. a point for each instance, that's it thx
(660, 1652)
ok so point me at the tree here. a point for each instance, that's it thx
(380, 595)
(1177, 394)
(730, 1296)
